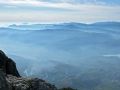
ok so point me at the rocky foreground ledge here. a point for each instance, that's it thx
(10, 78)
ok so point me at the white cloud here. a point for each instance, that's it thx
(63, 5)
(38, 3)
(34, 3)
(79, 12)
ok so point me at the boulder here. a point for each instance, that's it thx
(3, 82)
(8, 65)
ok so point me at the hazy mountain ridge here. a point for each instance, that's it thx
(71, 25)
(55, 50)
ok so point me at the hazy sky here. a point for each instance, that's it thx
(59, 10)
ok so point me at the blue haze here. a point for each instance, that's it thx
(50, 50)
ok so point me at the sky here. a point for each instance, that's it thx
(59, 10)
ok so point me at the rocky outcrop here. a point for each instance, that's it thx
(20, 83)
(10, 78)
(8, 65)
(3, 82)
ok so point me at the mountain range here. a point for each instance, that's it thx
(82, 56)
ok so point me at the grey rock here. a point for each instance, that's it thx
(8, 65)
(3, 82)
(20, 83)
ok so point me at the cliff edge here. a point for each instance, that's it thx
(10, 78)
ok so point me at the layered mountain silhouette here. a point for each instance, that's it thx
(83, 56)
